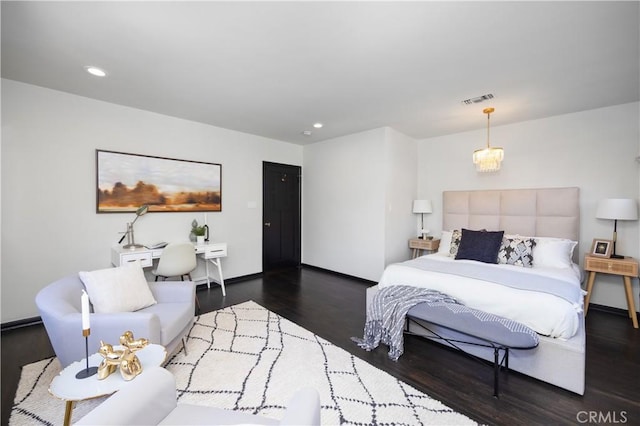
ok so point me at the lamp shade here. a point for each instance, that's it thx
(617, 209)
(488, 159)
(422, 206)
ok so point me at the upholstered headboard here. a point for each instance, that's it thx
(543, 212)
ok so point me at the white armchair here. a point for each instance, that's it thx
(150, 399)
(165, 323)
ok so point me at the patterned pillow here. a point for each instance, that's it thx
(517, 251)
(456, 236)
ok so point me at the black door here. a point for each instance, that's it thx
(281, 216)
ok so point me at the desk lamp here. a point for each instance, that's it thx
(617, 209)
(131, 244)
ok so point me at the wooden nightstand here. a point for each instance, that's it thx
(627, 268)
(417, 244)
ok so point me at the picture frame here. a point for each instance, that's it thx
(601, 248)
(125, 181)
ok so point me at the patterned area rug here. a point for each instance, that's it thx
(247, 358)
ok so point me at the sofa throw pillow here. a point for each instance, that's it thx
(121, 289)
(482, 246)
(456, 235)
(517, 251)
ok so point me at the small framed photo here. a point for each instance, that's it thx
(601, 248)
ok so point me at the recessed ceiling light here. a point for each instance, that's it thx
(318, 125)
(98, 72)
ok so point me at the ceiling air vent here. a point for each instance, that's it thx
(478, 99)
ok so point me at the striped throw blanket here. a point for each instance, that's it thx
(386, 316)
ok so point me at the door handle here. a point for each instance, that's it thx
(267, 224)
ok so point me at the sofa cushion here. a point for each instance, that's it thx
(146, 400)
(191, 414)
(121, 289)
(174, 317)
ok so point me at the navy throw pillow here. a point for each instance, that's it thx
(482, 246)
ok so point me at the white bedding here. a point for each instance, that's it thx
(545, 313)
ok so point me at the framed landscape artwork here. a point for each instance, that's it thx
(127, 181)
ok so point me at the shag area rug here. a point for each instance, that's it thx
(247, 358)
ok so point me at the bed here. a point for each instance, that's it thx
(546, 296)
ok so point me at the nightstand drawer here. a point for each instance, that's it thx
(627, 267)
(431, 245)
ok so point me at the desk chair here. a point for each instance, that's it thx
(177, 260)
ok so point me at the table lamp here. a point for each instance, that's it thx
(131, 244)
(617, 209)
(422, 207)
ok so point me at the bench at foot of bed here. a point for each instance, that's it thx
(488, 330)
(556, 361)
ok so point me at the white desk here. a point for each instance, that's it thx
(210, 252)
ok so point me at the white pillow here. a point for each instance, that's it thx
(445, 243)
(553, 252)
(122, 289)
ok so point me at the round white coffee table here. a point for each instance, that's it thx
(70, 389)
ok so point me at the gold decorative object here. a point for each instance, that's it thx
(125, 358)
(130, 366)
(130, 342)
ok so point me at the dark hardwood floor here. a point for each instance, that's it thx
(333, 306)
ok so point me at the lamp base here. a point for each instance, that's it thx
(86, 372)
(617, 256)
(132, 246)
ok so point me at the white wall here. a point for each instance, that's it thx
(49, 223)
(343, 220)
(357, 189)
(401, 153)
(357, 206)
(594, 150)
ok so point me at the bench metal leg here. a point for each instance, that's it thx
(496, 371)
(497, 362)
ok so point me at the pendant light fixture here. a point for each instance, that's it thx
(488, 159)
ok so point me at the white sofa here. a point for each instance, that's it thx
(150, 399)
(165, 323)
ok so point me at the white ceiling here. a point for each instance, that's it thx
(275, 68)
